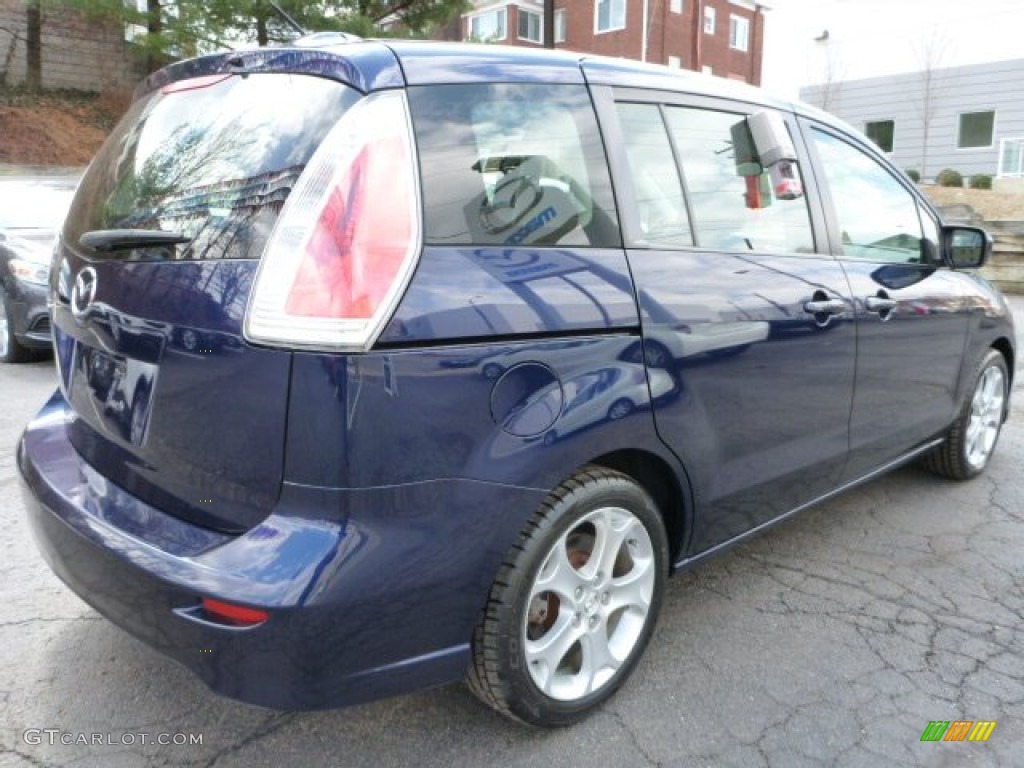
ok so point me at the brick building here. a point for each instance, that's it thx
(77, 52)
(720, 37)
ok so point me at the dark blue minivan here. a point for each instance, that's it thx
(384, 365)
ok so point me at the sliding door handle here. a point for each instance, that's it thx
(825, 307)
(879, 304)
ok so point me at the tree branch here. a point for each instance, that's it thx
(397, 8)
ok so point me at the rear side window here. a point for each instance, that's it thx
(512, 164)
(660, 207)
(211, 158)
(730, 211)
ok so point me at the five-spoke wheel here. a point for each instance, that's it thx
(574, 603)
(589, 603)
(972, 438)
(986, 416)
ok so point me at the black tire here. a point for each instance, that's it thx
(11, 350)
(972, 439)
(502, 675)
(656, 355)
(653, 354)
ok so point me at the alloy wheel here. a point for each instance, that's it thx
(986, 416)
(589, 604)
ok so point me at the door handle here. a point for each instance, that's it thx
(825, 307)
(879, 304)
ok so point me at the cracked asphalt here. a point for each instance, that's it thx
(832, 640)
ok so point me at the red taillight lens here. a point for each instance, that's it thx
(235, 615)
(347, 239)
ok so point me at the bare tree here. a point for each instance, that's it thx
(933, 84)
(33, 46)
(833, 71)
(12, 49)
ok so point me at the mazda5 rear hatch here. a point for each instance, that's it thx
(152, 278)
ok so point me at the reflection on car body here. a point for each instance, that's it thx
(609, 394)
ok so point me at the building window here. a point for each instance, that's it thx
(976, 130)
(675, 62)
(739, 33)
(610, 15)
(133, 31)
(676, 6)
(1011, 158)
(709, 20)
(488, 26)
(561, 25)
(881, 132)
(531, 26)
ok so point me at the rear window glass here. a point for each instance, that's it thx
(213, 159)
(512, 164)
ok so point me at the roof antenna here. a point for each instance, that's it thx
(291, 22)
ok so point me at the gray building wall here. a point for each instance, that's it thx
(905, 100)
(77, 52)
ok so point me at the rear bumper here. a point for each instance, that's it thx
(371, 593)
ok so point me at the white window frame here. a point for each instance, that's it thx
(611, 16)
(676, 6)
(992, 139)
(561, 25)
(709, 20)
(736, 24)
(520, 12)
(502, 11)
(1005, 172)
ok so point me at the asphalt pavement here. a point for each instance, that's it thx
(835, 639)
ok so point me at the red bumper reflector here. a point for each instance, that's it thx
(235, 615)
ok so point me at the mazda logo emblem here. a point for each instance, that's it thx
(84, 292)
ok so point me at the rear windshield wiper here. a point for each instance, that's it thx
(107, 240)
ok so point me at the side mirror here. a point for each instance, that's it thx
(762, 145)
(967, 247)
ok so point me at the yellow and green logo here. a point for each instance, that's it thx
(958, 730)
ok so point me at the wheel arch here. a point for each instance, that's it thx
(658, 478)
(1005, 348)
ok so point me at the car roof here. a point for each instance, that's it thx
(427, 62)
(371, 65)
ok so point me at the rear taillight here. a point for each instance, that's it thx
(231, 614)
(348, 237)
